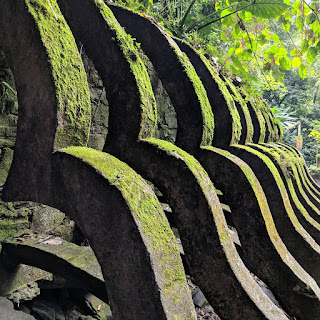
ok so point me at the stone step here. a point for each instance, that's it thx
(8, 312)
(55, 255)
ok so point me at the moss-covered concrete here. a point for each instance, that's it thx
(304, 248)
(271, 120)
(221, 101)
(256, 113)
(151, 222)
(289, 173)
(206, 110)
(304, 173)
(236, 124)
(5, 163)
(175, 70)
(239, 269)
(10, 227)
(243, 105)
(251, 215)
(72, 92)
(19, 283)
(301, 181)
(130, 52)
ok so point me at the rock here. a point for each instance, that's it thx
(27, 292)
(19, 284)
(198, 298)
(100, 309)
(46, 219)
(11, 227)
(65, 230)
(48, 310)
(8, 312)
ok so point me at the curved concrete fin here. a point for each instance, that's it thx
(304, 170)
(128, 87)
(307, 214)
(298, 241)
(293, 167)
(243, 110)
(178, 76)
(134, 244)
(257, 118)
(53, 94)
(50, 253)
(258, 103)
(228, 129)
(263, 249)
(214, 263)
(275, 129)
(192, 197)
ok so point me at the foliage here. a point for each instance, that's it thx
(315, 133)
(256, 39)
(6, 93)
(286, 117)
(271, 45)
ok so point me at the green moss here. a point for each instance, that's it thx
(266, 214)
(257, 110)
(271, 120)
(72, 91)
(302, 167)
(239, 269)
(243, 105)
(149, 116)
(129, 49)
(146, 210)
(297, 166)
(10, 227)
(286, 163)
(284, 195)
(207, 115)
(236, 124)
(5, 163)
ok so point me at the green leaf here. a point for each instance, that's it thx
(315, 26)
(223, 37)
(296, 5)
(6, 84)
(231, 51)
(310, 18)
(254, 45)
(251, 77)
(262, 39)
(247, 54)
(285, 63)
(287, 14)
(286, 27)
(302, 71)
(281, 52)
(237, 63)
(266, 9)
(299, 23)
(304, 45)
(296, 62)
(275, 38)
(237, 30)
(294, 52)
(247, 16)
(277, 74)
(312, 54)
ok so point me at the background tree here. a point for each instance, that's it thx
(270, 45)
